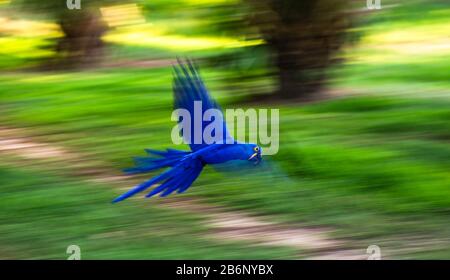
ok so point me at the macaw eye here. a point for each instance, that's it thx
(256, 149)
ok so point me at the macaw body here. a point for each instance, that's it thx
(186, 166)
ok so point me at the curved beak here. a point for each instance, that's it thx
(252, 156)
(257, 156)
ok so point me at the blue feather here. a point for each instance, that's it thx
(144, 185)
(189, 88)
(182, 181)
(146, 164)
(190, 180)
(173, 184)
(161, 187)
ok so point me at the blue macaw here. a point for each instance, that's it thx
(185, 167)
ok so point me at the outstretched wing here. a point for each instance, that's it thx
(179, 178)
(188, 88)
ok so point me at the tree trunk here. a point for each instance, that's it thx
(81, 44)
(304, 37)
(300, 70)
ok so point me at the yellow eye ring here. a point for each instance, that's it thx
(256, 149)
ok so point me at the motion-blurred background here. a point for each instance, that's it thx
(364, 128)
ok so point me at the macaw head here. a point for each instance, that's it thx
(253, 153)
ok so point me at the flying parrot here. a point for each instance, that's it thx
(184, 167)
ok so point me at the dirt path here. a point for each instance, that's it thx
(313, 243)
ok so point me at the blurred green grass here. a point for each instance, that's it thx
(42, 214)
(367, 165)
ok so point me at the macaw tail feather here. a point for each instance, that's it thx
(160, 159)
(143, 186)
(180, 177)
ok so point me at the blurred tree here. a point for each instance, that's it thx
(82, 28)
(303, 36)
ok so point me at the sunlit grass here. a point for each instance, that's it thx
(24, 47)
(426, 43)
(28, 28)
(208, 2)
(122, 15)
(410, 34)
(25, 39)
(148, 35)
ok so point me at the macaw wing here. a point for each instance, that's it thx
(178, 178)
(188, 87)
